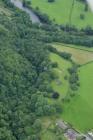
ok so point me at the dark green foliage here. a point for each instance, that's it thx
(86, 7)
(82, 1)
(26, 3)
(51, 0)
(64, 55)
(88, 30)
(8, 3)
(24, 77)
(82, 16)
(43, 17)
(55, 95)
(54, 65)
(74, 79)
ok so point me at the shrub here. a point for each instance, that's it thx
(82, 16)
(51, 0)
(55, 95)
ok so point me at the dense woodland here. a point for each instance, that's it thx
(24, 78)
(25, 72)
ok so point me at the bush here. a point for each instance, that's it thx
(54, 65)
(43, 17)
(82, 16)
(51, 0)
(55, 95)
(65, 77)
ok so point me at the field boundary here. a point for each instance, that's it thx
(67, 45)
(71, 12)
(86, 63)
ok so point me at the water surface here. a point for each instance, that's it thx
(90, 2)
(32, 15)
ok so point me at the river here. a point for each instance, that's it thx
(34, 18)
(90, 2)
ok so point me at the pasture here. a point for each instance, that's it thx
(79, 112)
(59, 11)
(60, 85)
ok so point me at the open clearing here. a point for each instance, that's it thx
(79, 111)
(60, 11)
(60, 84)
(79, 56)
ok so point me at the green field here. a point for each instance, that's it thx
(60, 11)
(79, 112)
(79, 55)
(60, 84)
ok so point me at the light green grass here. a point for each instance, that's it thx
(79, 112)
(48, 136)
(60, 10)
(51, 136)
(79, 55)
(61, 71)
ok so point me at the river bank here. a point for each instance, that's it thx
(34, 18)
(90, 2)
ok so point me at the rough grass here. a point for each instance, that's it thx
(79, 112)
(60, 84)
(79, 55)
(47, 133)
(48, 136)
(85, 48)
(60, 10)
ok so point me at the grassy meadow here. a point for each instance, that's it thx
(60, 11)
(79, 112)
(60, 84)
